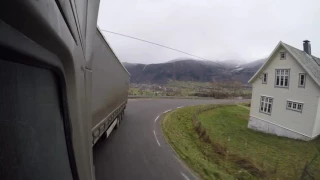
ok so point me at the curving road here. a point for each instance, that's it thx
(137, 149)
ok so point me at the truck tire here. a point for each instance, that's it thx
(120, 118)
(122, 114)
(118, 122)
(104, 136)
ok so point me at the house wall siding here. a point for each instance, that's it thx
(316, 129)
(300, 122)
(268, 127)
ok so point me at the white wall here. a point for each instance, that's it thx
(316, 130)
(296, 121)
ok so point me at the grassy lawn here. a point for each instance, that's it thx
(234, 151)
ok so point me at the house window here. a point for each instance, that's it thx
(302, 80)
(282, 77)
(266, 104)
(282, 55)
(295, 106)
(264, 78)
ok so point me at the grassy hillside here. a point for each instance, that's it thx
(218, 145)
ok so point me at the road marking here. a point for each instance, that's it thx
(195, 177)
(154, 132)
(185, 176)
(156, 119)
(179, 107)
(167, 111)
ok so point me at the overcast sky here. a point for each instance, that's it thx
(215, 30)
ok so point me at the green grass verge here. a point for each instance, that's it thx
(247, 150)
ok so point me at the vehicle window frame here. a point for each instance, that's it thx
(32, 54)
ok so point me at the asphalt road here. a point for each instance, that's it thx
(138, 149)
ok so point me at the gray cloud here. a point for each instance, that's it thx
(214, 30)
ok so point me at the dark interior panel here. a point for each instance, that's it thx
(32, 135)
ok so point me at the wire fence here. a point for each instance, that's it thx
(312, 168)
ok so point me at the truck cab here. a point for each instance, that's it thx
(47, 93)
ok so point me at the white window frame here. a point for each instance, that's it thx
(264, 78)
(282, 74)
(304, 80)
(294, 106)
(284, 55)
(266, 105)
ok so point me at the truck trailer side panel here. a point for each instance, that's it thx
(110, 83)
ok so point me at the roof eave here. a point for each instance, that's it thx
(304, 67)
(263, 66)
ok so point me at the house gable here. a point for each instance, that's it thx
(311, 67)
(295, 69)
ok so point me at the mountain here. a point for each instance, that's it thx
(191, 70)
(245, 71)
(255, 65)
(232, 63)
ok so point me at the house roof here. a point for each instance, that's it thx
(310, 63)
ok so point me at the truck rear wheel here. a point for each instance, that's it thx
(104, 136)
(122, 115)
(118, 122)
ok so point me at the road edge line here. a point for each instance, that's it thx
(185, 176)
(154, 132)
(156, 118)
(175, 154)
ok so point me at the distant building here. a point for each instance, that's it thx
(286, 94)
(158, 88)
(169, 90)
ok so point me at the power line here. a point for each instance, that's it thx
(155, 44)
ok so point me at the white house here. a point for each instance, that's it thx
(286, 93)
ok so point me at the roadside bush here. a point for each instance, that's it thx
(216, 95)
(222, 95)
